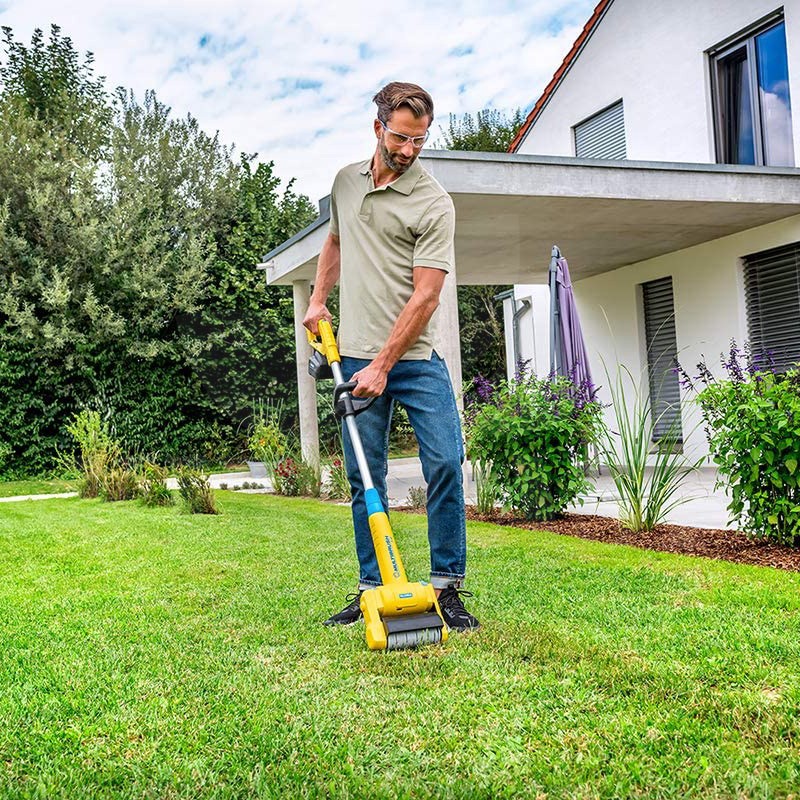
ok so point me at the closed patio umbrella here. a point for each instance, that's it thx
(567, 348)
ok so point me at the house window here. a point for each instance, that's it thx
(772, 297)
(753, 111)
(602, 135)
(662, 355)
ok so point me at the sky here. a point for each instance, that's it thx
(293, 82)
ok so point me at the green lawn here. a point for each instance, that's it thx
(148, 653)
(36, 486)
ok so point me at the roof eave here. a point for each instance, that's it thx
(572, 56)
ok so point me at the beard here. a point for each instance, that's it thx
(391, 162)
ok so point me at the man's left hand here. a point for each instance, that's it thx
(371, 381)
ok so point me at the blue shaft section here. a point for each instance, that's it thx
(373, 501)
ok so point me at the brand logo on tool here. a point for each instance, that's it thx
(392, 556)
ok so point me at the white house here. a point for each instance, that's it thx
(628, 163)
(684, 82)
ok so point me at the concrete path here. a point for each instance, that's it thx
(705, 506)
(16, 498)
(229, 478)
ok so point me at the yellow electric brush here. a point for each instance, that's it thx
(398, 614)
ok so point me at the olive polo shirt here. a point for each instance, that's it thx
(383, 234)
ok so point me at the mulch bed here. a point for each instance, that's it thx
(724, 545)
(706, 542)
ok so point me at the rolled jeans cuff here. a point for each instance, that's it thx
(443, 581)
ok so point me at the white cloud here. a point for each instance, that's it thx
(294, 82)
(777, 115)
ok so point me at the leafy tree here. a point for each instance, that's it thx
(51, 140)
(49, 83)
(488, 131)
(128, 241)
(481, 316)
(249, 329)
(483, 350)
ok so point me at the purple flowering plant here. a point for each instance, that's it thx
(532, 435)
(752, 421)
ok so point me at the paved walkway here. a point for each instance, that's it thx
(705, 506)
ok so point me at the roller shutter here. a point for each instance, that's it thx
(772, 295)
(603, 135)
(662, 355)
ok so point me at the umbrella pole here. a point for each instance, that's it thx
(555, 255)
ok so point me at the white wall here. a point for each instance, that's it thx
(652, 55)
(534, 330)
(709, 308)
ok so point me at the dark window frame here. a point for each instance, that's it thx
(743, 40)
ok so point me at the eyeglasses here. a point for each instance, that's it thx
(399, 139)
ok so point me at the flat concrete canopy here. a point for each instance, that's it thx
(511, 209)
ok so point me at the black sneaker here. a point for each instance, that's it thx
(455, 615)
(350, 613)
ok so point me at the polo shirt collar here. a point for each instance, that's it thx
(405, 183)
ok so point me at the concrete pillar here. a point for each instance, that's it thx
(449, 333)
(306, 385)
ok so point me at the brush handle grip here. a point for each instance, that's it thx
(325, 341)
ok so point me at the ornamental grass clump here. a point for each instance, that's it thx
(337, 485)
(486, 496)
(648, 470)
(196, 492)
(119, 483)
(533, 436)
(153, 483)
(98, 453)
(268, 442)
(752, 420)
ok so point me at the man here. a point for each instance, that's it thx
(390, 246)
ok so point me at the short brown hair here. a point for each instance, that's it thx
(395, 95)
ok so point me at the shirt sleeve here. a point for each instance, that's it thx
(333, 226)
(436, 230)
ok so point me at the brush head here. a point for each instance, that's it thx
(402, 615)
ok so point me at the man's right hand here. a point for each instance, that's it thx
(316, 312)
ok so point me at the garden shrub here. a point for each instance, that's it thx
(294, 477)
(401, 435)
(196, 491)
(417, 498)
(533, 434)
(752, 422)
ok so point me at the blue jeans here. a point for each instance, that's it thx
(423, 388)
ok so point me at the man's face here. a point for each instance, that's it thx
(399, 157)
